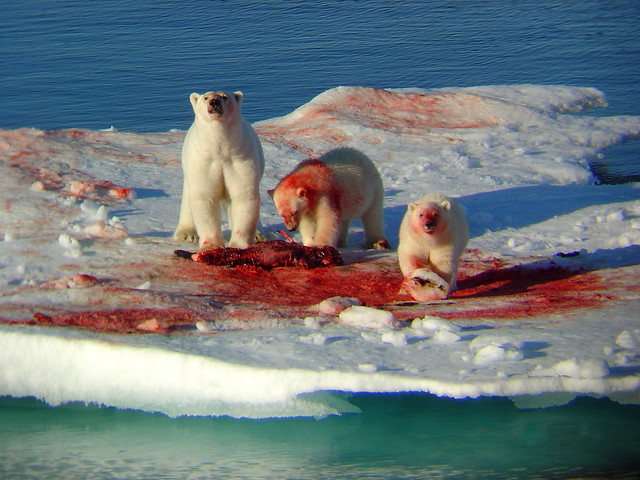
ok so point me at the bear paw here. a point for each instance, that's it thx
(381, 244)
(183, 235)
(425, 286)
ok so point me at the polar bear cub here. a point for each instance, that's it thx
(321, 197)
(433, 236)
(223, 163)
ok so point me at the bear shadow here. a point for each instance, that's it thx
(530, 205)
(150, 193)
(392, 219)
(518, 279)
(522, 206)
(534, 349)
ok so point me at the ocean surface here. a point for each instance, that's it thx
(132, 65)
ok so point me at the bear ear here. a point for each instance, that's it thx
(301, 192)
(412, 206)
(238, 96)
(446, 205)
(193, 98)
(271, 192)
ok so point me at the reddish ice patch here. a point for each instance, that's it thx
(184, 292)
(527, 291)
(125, 320)
(325, 116)
(287, 287)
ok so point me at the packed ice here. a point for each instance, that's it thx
(515, 157)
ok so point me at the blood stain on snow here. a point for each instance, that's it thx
(487, 288)
(184, 292)
(121, 320)
(376, 109)
(287, 287)
(524, 291)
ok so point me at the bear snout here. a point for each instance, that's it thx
(429, 226)
(430, 221)
(291, 224)
(215, 106)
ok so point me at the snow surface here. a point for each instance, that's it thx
(515, 156)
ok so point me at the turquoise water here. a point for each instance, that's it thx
(395, 436)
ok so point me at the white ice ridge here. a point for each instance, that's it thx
(277, 372)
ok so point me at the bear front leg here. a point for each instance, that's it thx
(307, 228)
(241, 181)
(243, 219)
(207, 219)
(185, 231)
(445, 264)
(327, 228)
(411, 263)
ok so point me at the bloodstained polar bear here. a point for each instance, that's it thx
(433, 236)
(223, 163)
(321, 197)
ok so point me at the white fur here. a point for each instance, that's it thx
(222, 162)
(440, 251)
(359, 188)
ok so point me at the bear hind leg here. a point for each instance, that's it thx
(373, 223)
(343, 234)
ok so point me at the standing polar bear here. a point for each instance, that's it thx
(433, 236)
(322, 196)
(223, 163)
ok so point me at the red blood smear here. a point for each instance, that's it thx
(528, 292)
(485, 288)
(488, 289)
(119, 320)
(293, 286)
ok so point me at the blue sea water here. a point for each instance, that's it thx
(132, 65)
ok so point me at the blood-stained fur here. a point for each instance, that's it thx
(433, 236)
(321, 197)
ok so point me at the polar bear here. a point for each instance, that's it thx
(222, 162)
(433, 236)
(322, 196)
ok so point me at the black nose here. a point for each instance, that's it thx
(215, 106)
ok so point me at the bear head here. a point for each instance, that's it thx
(429, 217)
(216, 106)
(291, 202)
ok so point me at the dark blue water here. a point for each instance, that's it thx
(132, 64)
